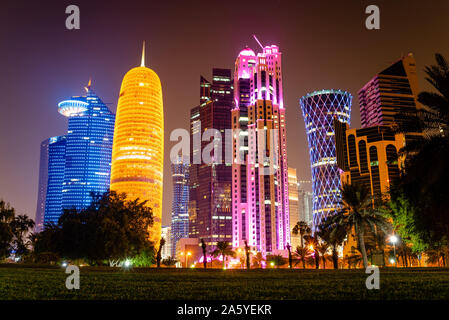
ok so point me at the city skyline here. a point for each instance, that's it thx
(21, 175)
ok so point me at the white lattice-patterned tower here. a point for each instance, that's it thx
(319, 110)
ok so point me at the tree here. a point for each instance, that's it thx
(276, 260)
(333, 234)
(111, 229)
(358, 213)
(301, 228)
(169, 261)
(290, 259)
(322, 249)
(248, 254)
(302, 253)
(204, 246)
(313, 242)
(159, 252)
(419, 202)
(20, 226)
(258, 259)
(224, 249)
(7, 214)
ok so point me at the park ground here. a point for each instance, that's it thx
(48, 283)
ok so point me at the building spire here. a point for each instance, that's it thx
(88, 85)
(142, 64)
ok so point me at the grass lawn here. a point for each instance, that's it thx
(18, 282)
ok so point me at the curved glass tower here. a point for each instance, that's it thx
(319, 110)
(138, 150)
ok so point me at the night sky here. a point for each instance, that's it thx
(325, 45)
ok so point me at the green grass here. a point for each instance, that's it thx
(21, 282)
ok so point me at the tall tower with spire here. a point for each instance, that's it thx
(138, 150)
(260, 204)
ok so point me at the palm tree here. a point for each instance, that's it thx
(169, 261)
(301, 228)
(224, 249)
(302, 253)
(258, 259)
(313, 242)
(203, 246)
(247, 253)
(159, 252)
(357, 213)
(433, 118)
(334, 235)
(323, 248)
(290, 258)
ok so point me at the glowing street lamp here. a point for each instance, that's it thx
(394, 239)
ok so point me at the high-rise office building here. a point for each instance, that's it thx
(210, 181)
(368, 156)
(56, 166)
(293, 201)
(319, 110)
(180, 203)
(389, 93)
(88, 149)
(42, 187)
(167, 248)
(138, 149)
(305, 203)
(260, 205)
(82, 158)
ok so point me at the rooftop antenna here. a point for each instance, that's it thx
(88, 85)
(142, 63)
(255, 38)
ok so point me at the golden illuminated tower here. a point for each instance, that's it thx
(138, 148)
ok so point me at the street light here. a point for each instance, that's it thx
(394, 239)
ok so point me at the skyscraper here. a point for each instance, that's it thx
(180, 203)
(389, 93)
(319, 110)
(305, 203)
(88, 148)
(81, 158)
(167, 248)
(293, 200)
(210, 183)
(260, 206)
(368, 156)
(56, 166)
(42, 187)
(138, 149)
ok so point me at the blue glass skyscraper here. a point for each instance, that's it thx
(319, 110)
(55, 175)
(180, 214)
(87, 157)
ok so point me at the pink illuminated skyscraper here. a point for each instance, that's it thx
(260, 210)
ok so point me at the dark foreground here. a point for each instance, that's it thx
(196, 284)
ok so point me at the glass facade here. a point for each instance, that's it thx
(56, 165)
(180, 214)
(210, 183)
(138, 149)
(79, 162)
(319, 110)
(42, 187)
(88, 152)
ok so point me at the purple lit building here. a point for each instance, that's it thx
(260, 208)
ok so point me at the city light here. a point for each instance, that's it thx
(394, 239)
(127, 263)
